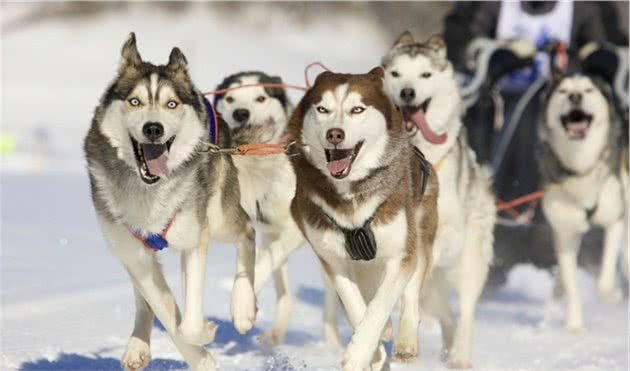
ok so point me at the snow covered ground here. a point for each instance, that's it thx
(67, 303)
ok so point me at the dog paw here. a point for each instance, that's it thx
(197, 335)
(271, 338)
(137, 356)
(243, 305)
(458, 364)
(354, 358)
(405, 351)
(610, 295)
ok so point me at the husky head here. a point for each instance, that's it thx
(266, 108)
(576, 106)
(348, 125)
(153, 116)
(419, 79)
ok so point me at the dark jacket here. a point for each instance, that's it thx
(469, 20)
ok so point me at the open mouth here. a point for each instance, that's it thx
(340, 160)
(415, 119)
(409, 112)
(576, 123)
(151, 159)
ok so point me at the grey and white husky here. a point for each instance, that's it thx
(583, 170)
(419, 79)
(258, 114)
(154, 187)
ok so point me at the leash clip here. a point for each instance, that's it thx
(292, 149)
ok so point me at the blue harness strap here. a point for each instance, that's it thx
(213, 122)
(150, 240)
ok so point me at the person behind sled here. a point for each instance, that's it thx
(548, 28)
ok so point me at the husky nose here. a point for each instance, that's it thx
(575, 98)
(241, 115)
(335, 136)
(153, 131)
(407, 95)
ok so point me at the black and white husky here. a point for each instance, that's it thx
(582, 168)
(419, 79)
(258, 114)
(154, 187)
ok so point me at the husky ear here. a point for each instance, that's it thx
(437, 45)
(129, 53)
(405, 38)
(177, 60)
(377, 72)
(322, 75)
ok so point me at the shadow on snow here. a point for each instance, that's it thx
(73, 361)
(228, 338)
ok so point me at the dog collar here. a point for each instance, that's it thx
(360, 242)
(153, 241)
(213, 122)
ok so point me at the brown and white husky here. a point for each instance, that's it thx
(365, 200)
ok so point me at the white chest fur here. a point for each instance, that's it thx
(267, 186)
(391, 239)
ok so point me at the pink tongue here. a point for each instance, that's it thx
(419, 120)
(338, 166)
(577, 127)
(156, 157)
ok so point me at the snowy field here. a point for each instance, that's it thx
(67, 303)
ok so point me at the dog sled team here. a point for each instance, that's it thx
(383, 186)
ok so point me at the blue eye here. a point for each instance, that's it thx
(134, 102)
(357, 109)
(172, 104)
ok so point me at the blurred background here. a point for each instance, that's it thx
(57, 57)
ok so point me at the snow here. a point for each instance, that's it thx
(67, 303)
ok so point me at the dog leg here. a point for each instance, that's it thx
(330, 313)
(607, 287)
(277, 251)
(243, 297)
(364, 345)
(150, 282)
(194, 329)
(275, 335)
(566, 245)
(147, 278)
(406, 343)
(472, 272)
(138, 353)
(434, 300)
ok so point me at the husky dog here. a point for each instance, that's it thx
(365, 200)
(268, 107)
(259, 115)
(579, 158)
(419, 79)
(153, 187)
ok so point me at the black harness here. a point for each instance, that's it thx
(360, 242)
